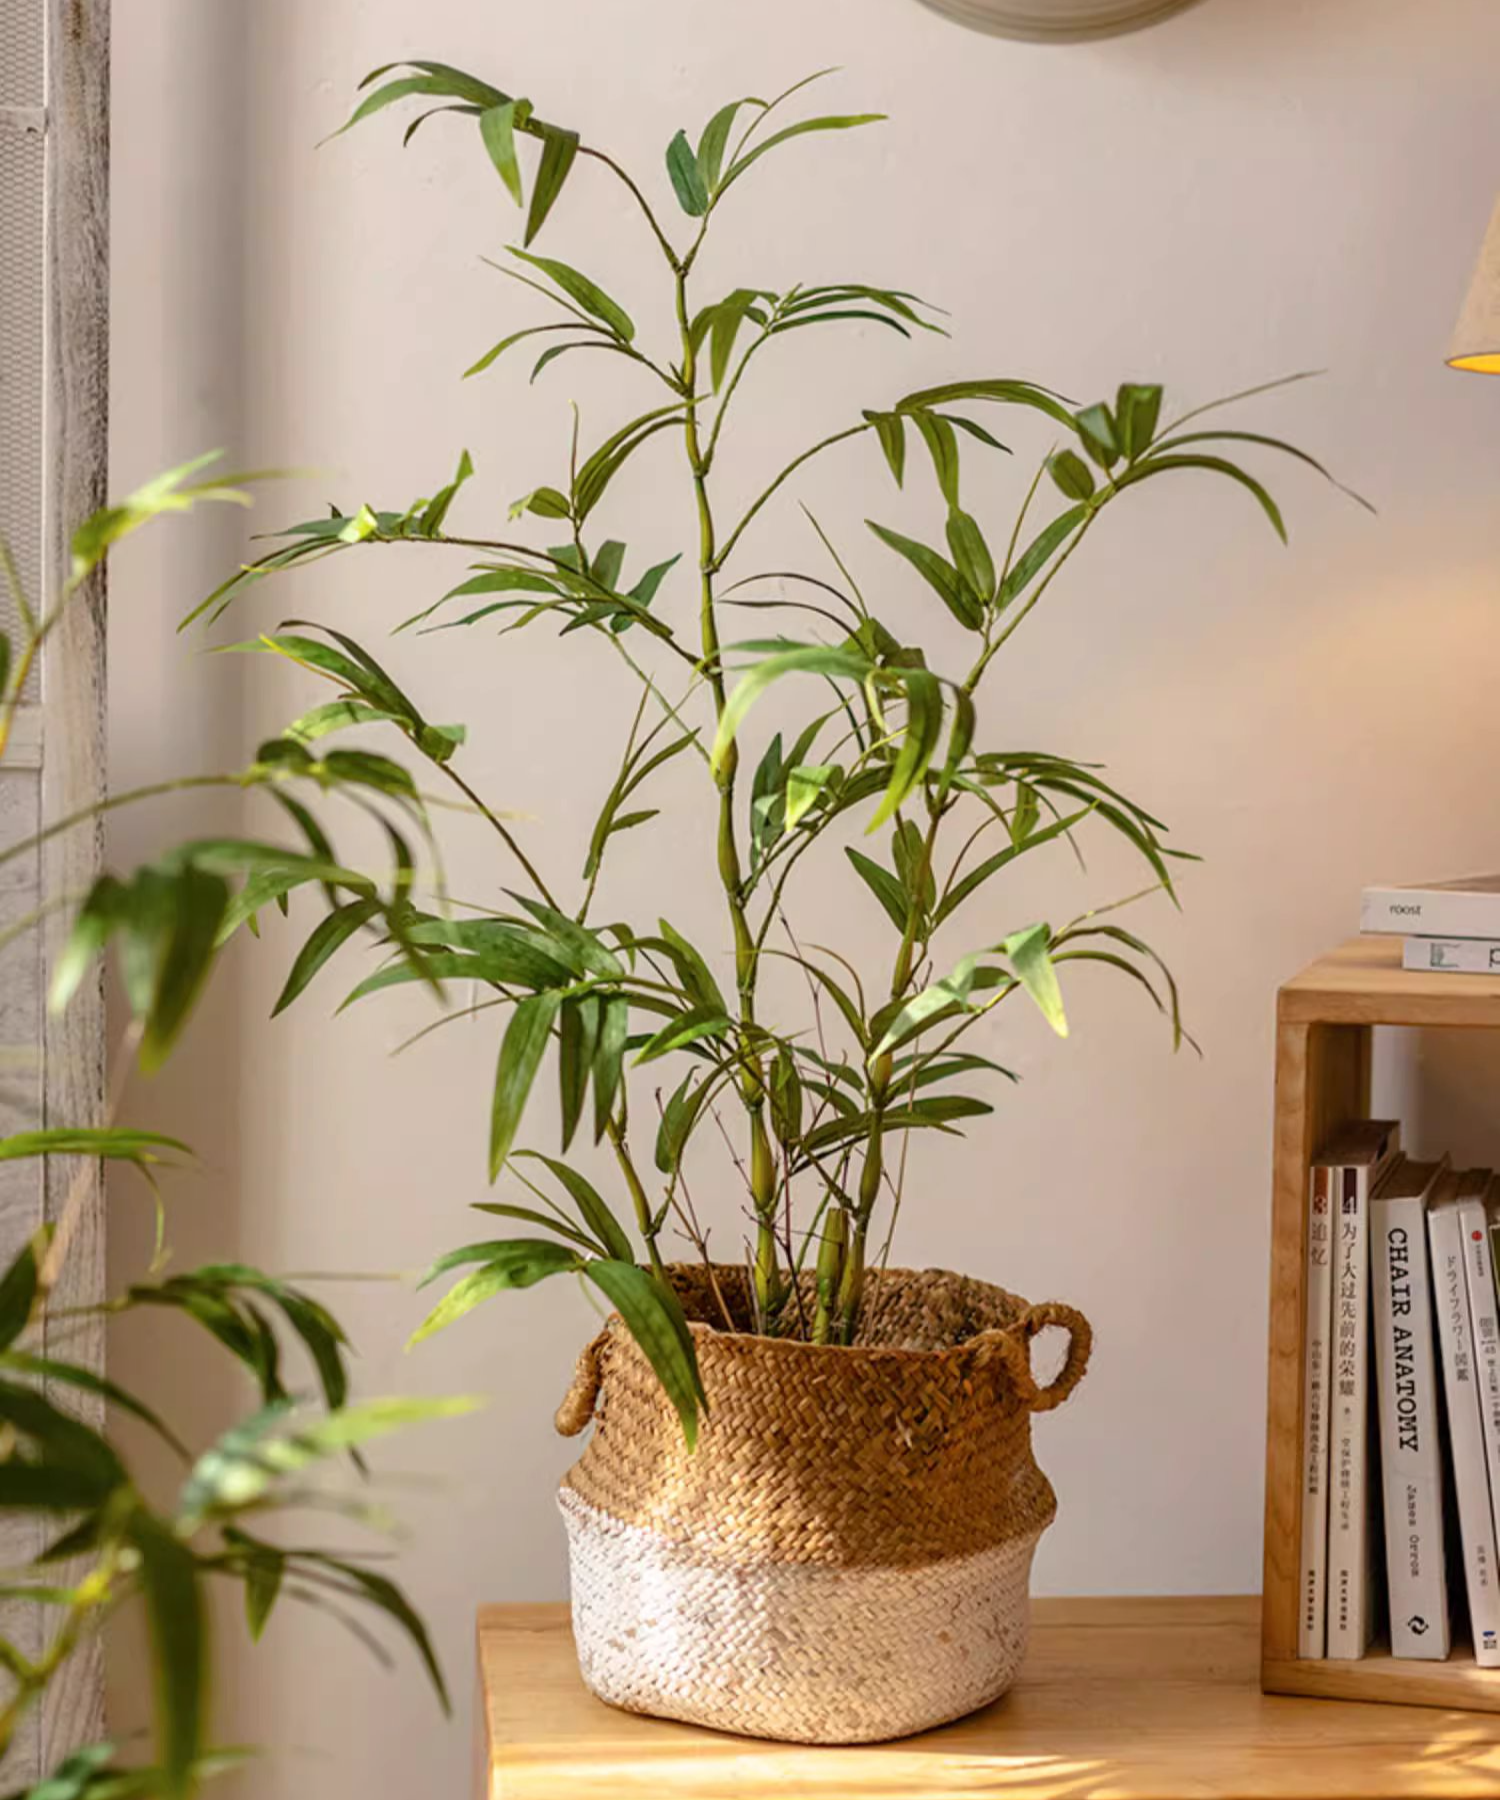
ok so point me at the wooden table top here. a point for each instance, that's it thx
(1119, 1700)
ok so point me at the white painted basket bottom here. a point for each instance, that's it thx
(791, 1651)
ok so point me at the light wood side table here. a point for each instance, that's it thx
(1155, 1699)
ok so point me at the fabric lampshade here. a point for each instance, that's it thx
(1476, 337)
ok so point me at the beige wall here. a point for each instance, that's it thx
(1258, 187)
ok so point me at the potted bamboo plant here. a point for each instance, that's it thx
(809, 1504)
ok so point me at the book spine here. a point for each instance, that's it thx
(1406, 1378)
(1453, 956)
(1350, 1607)
(1484, 1318)
(1313, 1609)
(1430, 913)
(1471, 1484)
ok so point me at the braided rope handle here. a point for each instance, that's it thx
(1012, 1343)
(577, 1407)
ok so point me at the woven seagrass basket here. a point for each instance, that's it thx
(845, 1556)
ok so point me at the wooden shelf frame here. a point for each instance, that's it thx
(1325, 1021)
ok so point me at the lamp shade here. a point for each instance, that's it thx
(1057, 21)
(1476, 337)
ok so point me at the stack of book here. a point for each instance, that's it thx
(1452, 925)
(1401, 1444)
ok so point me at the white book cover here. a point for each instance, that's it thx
(1452, 956)
(1471, 1482)
(1468, 908)
(1406, 1379)
(1352, 1494)
(1475, 1188)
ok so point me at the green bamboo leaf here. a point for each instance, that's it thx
(388, 96)
(533, 1261)
(809, 659)
(1031, 959)
(972, 555)
(687, 178)
(890, 430)
(1137, 408)
(942, 446)
(497, 126)
(18, 1289)
(1266, 443)
(678, 1117)
(521, 1052)
(692, 971)
(846, 122)
(380, 1591)
(654, 1319)
(690, 1027)
(119, 1143)
(530, 1216)
(883, 885)
(593, 1209)
(263, 1572)
(945, 996)
(715, 140)
(725, 321)
(326, 937)
(179, 1659)
(919, 741)
(1027, 840)
(609, 1060)
(588, 294)
(1096, 426)
(1157, 464)
(1071, 475)
(578, 1036)
(939, 574)
(1038, 553)
(559, 148)
(806, 783)
(48, 1368)
(1002, 392)
(582, 949)
(199, 901)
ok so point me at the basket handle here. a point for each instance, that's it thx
(577, 1407)
(1013, 1343)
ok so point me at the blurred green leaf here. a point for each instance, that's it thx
(169, 1577)
(521, 1051)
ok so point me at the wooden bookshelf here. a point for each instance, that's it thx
(1325, 1022)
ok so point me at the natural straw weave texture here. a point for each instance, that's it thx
(845, 1555)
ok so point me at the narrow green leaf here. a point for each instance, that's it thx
(890, 429)
(609, 1060)
(559, 148)
(517, 1263)
(264, 1568)
(521, 1052)
(588, 294)
(919, 741)
(1031, 959)
(497, 126)
(330, 932)
(199, 902)
(715, 140)
(690, 1027)
(811, 659)
(174, 1608)
(972, 555)
(942, 446)
(593, 1209)
(1071, 474)
(654, 1319)
(939, 574)
(847, 122)
(883, 885)
(1038, 553)
(687, 179)
(18, 1294)
(1137, 408)
(578, 1036)
(806, 783)
(692, 971)
(1156, 464)
(1096, 426)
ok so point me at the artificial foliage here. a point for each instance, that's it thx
(893, 782)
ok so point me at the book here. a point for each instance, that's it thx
(1406, 1381)
(1357, 1158)
(1469, 908)
(1476, 1188)
(1466, 1447)
(1457, 956)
